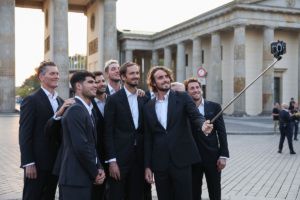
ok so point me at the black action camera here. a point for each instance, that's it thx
(278, 48)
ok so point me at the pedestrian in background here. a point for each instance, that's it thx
(275, 114)
(285, 127)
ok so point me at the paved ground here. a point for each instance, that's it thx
(255, 171)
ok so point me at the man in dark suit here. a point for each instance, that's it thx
(285, 127)
(213, 148)
(98, 111)
(170, 149)
(38, 144)
(124, 137)
(80, 166)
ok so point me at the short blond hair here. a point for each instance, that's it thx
(108, 63)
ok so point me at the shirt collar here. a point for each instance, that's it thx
(88, 107)
(49, 94)
(129, 93)
(166, 96)
(99, 100)
(202, 102)
(111, 89)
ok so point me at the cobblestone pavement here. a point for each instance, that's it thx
(255, 171)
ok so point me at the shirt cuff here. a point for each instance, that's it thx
(29, 164)
(111, 160)
(56, 118)
(223, 157)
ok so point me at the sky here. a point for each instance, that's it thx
(141, 15)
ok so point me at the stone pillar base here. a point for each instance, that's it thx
(239, 114)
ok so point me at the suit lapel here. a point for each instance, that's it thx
(171, 107)
(140, 105)
(124, 101)
(93, 122)
(96, 109)
(205, 109)
(46, 101)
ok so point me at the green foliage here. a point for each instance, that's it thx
(30, 85)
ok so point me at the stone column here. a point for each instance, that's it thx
(128, 55)
(298, 68)
(214, 75)
(239, 69)
(167, 57)
(110, 30)
(180, 67)
(197, 59)
(155, 58)
(268, 77)
(7, 56)
(56, 41)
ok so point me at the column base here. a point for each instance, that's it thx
(239, 114)
(265, 113)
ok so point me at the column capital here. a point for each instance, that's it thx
(240, 26)
(180, 43)
(198, 37)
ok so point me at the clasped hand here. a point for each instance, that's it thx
(100, 177)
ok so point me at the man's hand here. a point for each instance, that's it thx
(100, 177)
(207, 127)
(114, 170)
(30, 172)
(66, 104)
(140, 92)
(221, 163)
(149, 176)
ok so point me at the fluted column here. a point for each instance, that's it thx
(197, 62)
(214, 76)
(128, 55)
(167, 57)
(154, 58)
(180, 67)
(239, 69)
(110, 30)
(56, 35)
(7, 56)
(298, 67)
(268, 77)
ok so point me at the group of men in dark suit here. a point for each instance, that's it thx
(114, 144)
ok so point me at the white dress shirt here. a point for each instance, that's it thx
(111, 89)
(134, 108)
(100, 105)
(161, 108)
(52, 99)
(201, 107)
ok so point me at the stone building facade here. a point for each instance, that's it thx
(232, 43)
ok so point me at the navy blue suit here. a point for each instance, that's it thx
(286, 129)
(39, 145)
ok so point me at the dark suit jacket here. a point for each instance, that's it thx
(78, 167)
(285, 119)
(99, 118)
(176, 143)
(35, 147)
(214, 145)
(120, 133)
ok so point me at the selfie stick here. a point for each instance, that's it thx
(241, 92)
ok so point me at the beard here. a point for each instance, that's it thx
(164, 89)
(133, 84)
